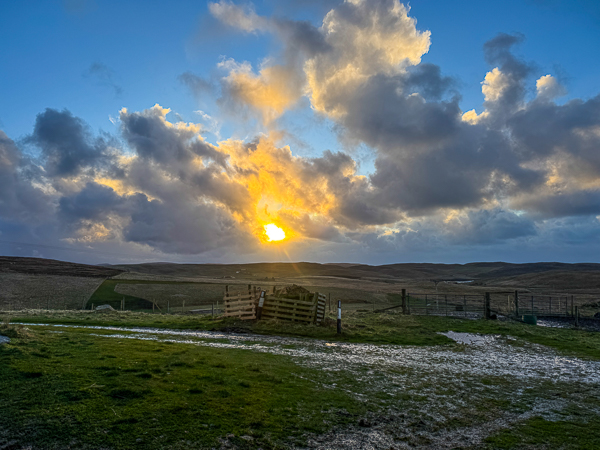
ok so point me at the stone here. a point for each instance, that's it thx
(104, 308)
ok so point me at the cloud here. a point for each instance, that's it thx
(21, 201)
(244, 19)
(444, 181)
(367, 39)
(197, 85)
(66, 143)
(104, 77)
(548, 88)
(271, 92)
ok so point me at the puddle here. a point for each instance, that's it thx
(552, 323)
(4, 340)
(470, 338)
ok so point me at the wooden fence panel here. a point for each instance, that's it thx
(288, 309)
(309, 308)
(240, 305)
(321, 302)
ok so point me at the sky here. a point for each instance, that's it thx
(368, 131)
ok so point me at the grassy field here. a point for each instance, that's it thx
(386, 381)
(139, 293)
(28, 291)
(76, 388)
(81, 391)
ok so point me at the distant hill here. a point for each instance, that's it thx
(276, 270)
(547, 275)
(41, 266)
(406, 271)
(555, 280)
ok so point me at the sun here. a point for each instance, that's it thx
(274, 233)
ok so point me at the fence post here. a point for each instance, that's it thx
(403, 301)
(517, 303)
(487, 312)
(532, 313)
(261, 302)
(576, 316)
(572, 303)
(339, 318)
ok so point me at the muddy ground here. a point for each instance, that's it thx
(430, 397)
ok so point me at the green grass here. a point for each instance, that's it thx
(75, 389)
(80, 391)
(377, 328)
(540, 433)
(106, 295)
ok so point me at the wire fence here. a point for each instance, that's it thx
(465, 305)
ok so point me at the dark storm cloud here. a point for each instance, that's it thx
(183, 227)
(498, 51)
(492, 226)
(427, 80)
(66, 143)
(384, 115)
(544, 128)
(104, 77)
(561, 204)
(20, 201)
(93, 202)
(150, 136)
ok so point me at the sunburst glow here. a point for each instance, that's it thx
(274, 233)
